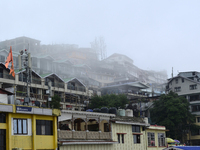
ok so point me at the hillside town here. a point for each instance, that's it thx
(32, 75)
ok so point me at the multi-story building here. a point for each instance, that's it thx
(70, 61)
(103, 131)
(21, 43)
(26, 127)
(72, 92)
(131, 88)
(187, 84)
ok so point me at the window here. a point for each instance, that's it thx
(20, 126)
(177, 89)
(44, 127)
(135, 128)
(122, 138)
(176, 81)
(195, 108)
(198, 119)
(161, 139)
(2, 58)
(195, 132)
(193, 87)
(118, 135)
(106, 127)
(136, 139)
(2, 118)
(194, 98)
(151, 139)
(182, 80)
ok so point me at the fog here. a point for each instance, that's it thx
(157, 35)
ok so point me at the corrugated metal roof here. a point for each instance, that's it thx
(45, 75)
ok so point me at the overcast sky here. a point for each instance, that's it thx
(156, 34)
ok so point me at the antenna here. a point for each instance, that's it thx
(172, 72)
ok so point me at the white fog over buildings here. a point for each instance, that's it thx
(83, 67)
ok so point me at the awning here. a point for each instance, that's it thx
(65, 116)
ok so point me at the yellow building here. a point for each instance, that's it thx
(155, 137)
(28, 128)
(129, 132)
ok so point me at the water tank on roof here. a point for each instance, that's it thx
(37, 103)
(113, 110)
(121, 112)
(129, 112)
(96, 110)
(104, 110)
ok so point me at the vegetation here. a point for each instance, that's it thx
(118, 101)
(173, 112)
(55, 103)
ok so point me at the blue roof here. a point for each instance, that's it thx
(188, 147)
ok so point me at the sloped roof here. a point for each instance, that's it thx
(179, 76)
(17, 71)
(43, 56)
(49, 74)
(82, 65)
(70, 79)
(45, 75)
(62, 61)
(129, 120)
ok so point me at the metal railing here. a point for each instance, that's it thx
(91, 135)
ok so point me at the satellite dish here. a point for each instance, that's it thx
(37, 103)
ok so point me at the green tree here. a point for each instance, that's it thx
(173, 112)
(111, 100)
(55, 103)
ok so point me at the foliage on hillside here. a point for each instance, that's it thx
(112, 100)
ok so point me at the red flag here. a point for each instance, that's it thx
(8, 60)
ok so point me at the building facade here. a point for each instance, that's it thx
(23, 127)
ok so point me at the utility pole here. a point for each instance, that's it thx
(27, 66)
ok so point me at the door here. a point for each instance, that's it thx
(3, 139)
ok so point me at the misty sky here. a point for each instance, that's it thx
(156, 34)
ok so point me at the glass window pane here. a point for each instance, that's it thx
(24, 126)
(135, 138)
(19, 126)
(43, 129)
(15, 126)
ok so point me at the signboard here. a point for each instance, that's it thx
(23, 109)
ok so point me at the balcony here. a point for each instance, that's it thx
(83, 135)
(6, 76)
(76, 88)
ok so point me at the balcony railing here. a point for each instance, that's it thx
(6, 76)
(91, 135)
(75, 88)
(36, 96)
(36, 81)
